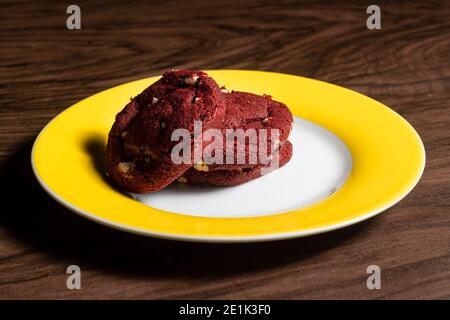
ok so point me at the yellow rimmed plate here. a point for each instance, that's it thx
(387, 160)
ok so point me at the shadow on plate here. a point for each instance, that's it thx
(31, 217)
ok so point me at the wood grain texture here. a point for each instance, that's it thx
(44, 68)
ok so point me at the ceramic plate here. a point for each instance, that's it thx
(353, 158)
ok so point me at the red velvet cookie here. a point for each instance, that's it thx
(139, 144)
(245, 112)
(235, 176)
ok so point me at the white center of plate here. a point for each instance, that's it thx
(319, 166)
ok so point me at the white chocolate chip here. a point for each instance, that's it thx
(266, 120)
(182, 180)
(201, 166)
(124, 134)
(124, 167)
(163, 124)
(155, 100)
(197, 99)
(151, 153)
(131, 148)
(224, 90)
(191, 81)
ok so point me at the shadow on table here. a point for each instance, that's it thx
(30, 216)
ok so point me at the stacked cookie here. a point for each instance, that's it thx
(140, 150)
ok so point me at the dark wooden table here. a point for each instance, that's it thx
(45, 68)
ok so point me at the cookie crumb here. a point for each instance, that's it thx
(124, 167)
(201, 166)
(191, 81)
(182, 180)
